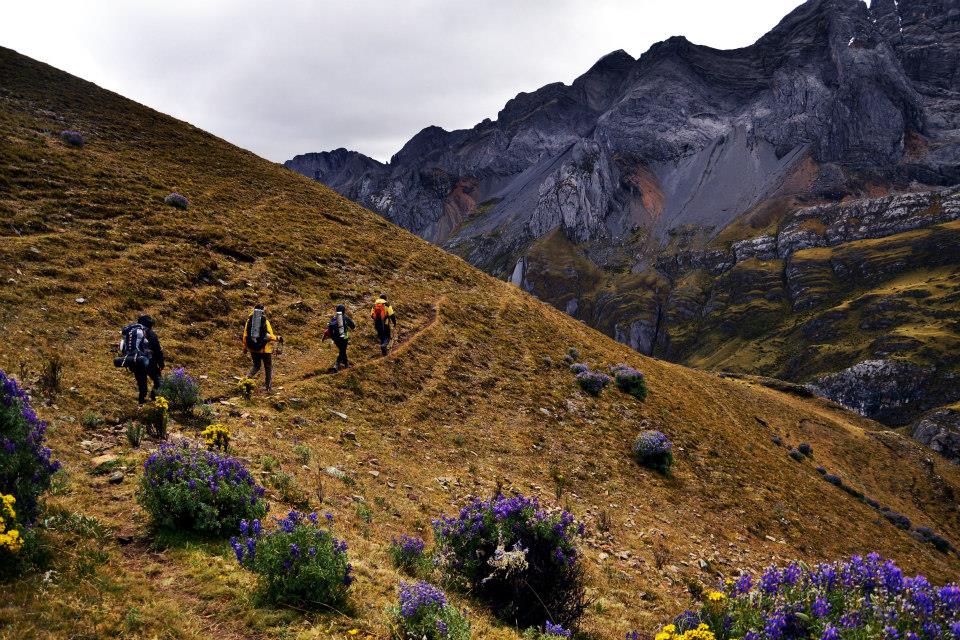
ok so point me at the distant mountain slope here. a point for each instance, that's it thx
(641, 164)
(466, 405)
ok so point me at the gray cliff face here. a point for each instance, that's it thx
(694, 199)
(683, 135)
(940, 430)
(885, 389)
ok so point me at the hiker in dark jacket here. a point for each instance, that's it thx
(338, 330)
(383, 317)
(258, 339)
(141, 353)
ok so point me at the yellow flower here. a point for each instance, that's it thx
(670, 628)
(716, 596)
(353, 632)
(662, 636)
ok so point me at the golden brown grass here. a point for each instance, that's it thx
(466, 406)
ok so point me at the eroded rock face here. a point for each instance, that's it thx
(940, 430)
(888, 390)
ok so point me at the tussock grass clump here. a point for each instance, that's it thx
(796, 455)
(630, 381)
(805, 449)
(578, 368)
(518, 558)
(177, 201)
(653, 449)
(593, 382)
(863, 597)
(180, 389)
(186, 488)
(300, 563)
(422, 612)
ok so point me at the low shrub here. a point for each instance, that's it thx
(653, 449)
(518, 558)
(134, 433)
(91, 421)
(246, 386)
(835, 480)
(822, 471)
(796, 455)
(216, 436)
(630, 381)
(407, 554)
(549, 631)
(180, 389)
(898, 520)
(176, 200)
(25, 464)
(155, 416)
(927, 535)
(777, 440)
(423, 613)
(593, 382)
(864, 597)
(303, 453)
(578, 368)
(300, 563)
(573, 353)
(805, 449)
(187, 488)
(72, 138)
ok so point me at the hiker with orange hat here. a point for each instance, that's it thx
(383, 316)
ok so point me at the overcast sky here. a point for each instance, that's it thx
(283, 77)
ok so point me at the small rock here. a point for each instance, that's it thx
(335, 473)
(116, 477)
(374, 473)
(342, 416)
(99, 461)
(348, 435)
(80, 300)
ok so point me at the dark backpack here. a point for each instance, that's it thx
(257, 336)
(134, 348)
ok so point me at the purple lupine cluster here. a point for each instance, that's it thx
(654, 450)
(415, 596)
(407, 553)
(300, 561)
(629, 380)
(180, 389)
(863, 597)
(72, 138)
(25, 460)
(176, 200)
(509, 550)
(186, 487)
(578, 368)
(555, 631)
(593, 382)
(422, 611)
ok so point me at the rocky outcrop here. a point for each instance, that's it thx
(888, 390)
(940, 430)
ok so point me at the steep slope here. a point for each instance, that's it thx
(465, 405)
(688, 151)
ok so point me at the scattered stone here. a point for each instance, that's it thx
(342, 416)
(116, 477)
(80, 300)
(348, 435)
(335, 473)
(105, 459)
(374, 473)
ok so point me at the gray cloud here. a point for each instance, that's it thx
(286, 77)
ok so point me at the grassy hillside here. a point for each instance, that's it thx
(465, 405)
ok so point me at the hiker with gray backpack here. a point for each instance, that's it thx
(258, 339)
(338, 330)
(141, 353)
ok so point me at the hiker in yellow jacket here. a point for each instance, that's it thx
(258, 339)
(383, 316)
